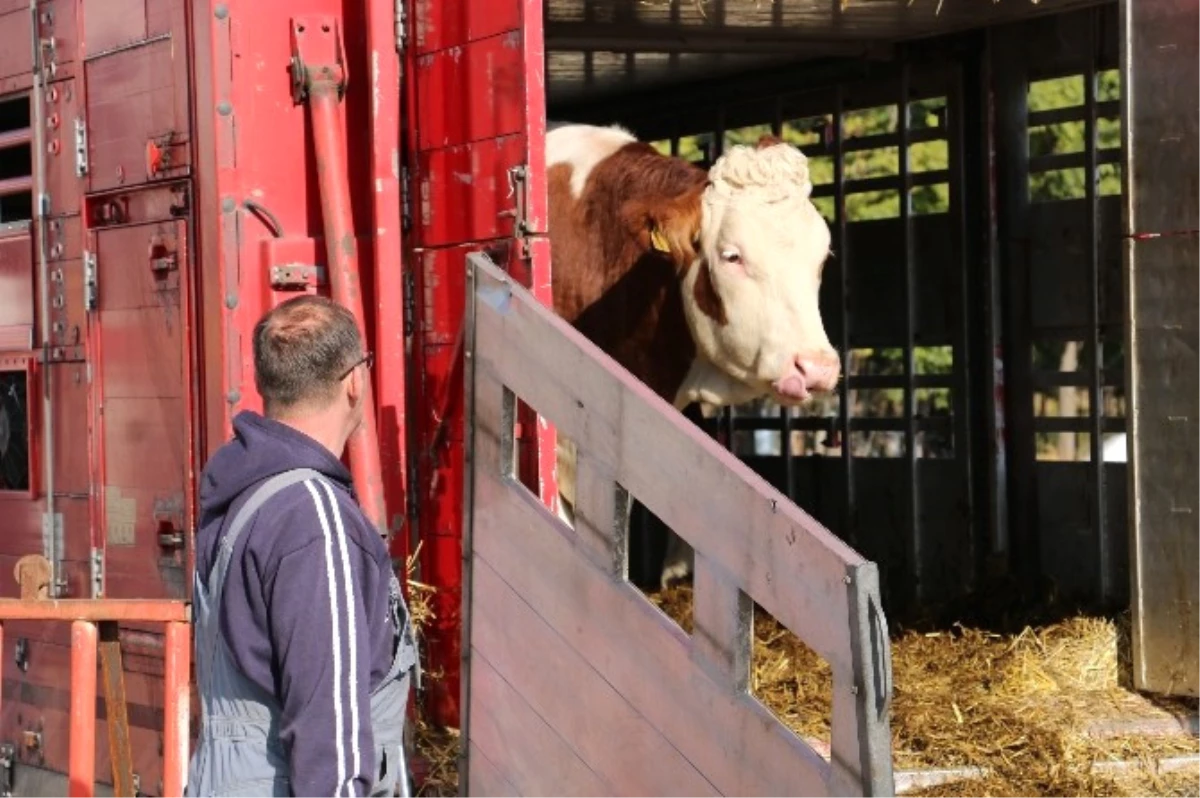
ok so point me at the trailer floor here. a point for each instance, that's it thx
(1046, 710)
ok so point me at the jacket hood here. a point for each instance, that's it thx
(261, 448)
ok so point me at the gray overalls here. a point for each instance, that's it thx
(239, 751)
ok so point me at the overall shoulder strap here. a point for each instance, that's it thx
(261, 494)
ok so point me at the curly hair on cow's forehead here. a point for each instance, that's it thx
(775, 173)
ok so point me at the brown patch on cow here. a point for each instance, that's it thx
(708, 301)
(768, 140)
(608, 280)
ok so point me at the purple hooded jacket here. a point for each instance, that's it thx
(276, 613)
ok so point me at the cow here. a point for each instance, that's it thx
(702, 284)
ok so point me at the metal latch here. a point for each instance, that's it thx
(90, 292)
(96, 569)
(297, 277)
(8, 756)
(81, 148)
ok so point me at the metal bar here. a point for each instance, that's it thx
(566, 35)
(1075, 160)
(910, 429)
(1075, 113)
(389, 267)
(177, 669)
(82, 735)
(16, 138)
(16, 185)
(95, 610)
(850, 525)
(1095, 391)
(122, 48)
(322, 90)
(1075, 424)
(119, 750)
(892, 182)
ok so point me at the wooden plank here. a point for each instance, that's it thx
(116, 708)
(783, 558)
(732, 739)
(723, 625)
(523, 747)
(603, 728)
(485, 778)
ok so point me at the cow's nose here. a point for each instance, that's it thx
(820, 370)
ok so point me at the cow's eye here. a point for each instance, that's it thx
(730, 255)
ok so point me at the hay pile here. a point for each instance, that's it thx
(436, 747)
(1020, 706)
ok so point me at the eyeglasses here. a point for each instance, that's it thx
(368, 360)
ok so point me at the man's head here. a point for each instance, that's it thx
(308, 368)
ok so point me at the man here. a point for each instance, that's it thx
(303, 644)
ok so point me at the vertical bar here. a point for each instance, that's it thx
(120, 752)
(345, 283)
(1095, 391)
(176, 707)
(389, 268)
(994, 374)
(910, 449)
(963, 357)
(850, 522)
(82, 736)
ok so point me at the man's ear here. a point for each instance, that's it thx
(668, 226)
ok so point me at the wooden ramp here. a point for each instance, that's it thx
(574, 683)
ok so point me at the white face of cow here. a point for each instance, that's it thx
(762, 247)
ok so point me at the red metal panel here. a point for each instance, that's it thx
(137, 103)
(144, 423)
(69, 408)
(62, 183)
(16, 289)
(478, 105)
(464, 191)
(15, 40)
(112, 24)
(455, 85)
(440, 25)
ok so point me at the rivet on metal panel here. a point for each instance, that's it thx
(224, 109)
(228, 205)
(53, 121)
(52, 147)
(233, 397)
(221, 11)
(231, 301)
(52, 95)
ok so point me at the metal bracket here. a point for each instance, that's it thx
(52, 542)
(8, 758)
(401, 26)
(90, 291)
(81, 147)
(318, 62)
(297, 277)
(410, 303)
(96, 571)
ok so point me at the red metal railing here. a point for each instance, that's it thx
(94, 629)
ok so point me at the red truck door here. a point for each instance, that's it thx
(477, 125)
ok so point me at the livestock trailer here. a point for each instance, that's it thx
(1005, 293)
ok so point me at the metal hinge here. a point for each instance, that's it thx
(89, 281)
(96, 563)
(81, 150)
(405, 200)
(410, 304)
(401, 36)
(7, 760)
(52, 545)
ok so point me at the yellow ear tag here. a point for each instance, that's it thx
(659, 241)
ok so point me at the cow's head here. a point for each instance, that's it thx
(751, 247)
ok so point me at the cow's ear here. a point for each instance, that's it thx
(668, 226)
